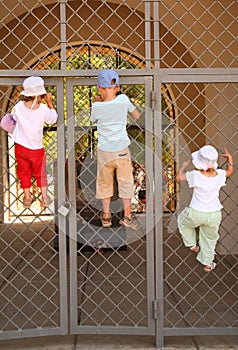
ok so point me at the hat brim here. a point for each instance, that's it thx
(202, 164)
(38, 93)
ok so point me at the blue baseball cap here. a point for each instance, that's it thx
(105, 78)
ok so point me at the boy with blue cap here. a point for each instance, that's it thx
(110, 112)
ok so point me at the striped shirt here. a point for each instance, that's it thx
(111, 118)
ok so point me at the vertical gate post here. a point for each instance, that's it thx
(158, 215)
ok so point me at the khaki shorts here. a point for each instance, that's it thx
(110, 163)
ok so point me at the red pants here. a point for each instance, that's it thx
(31, 162)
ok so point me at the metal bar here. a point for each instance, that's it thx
(61, 198)
(156, 35)
(149, 200)
(158, 169)
(171, 75)
(30, 333)
(72, 198)
(114, 330)
(147, 36)
(200, 331)
(63, 38)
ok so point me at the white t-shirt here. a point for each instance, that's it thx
(206, 190)
(111, 118)
(30, 124)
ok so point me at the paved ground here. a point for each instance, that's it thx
(30, 243)
(111, 342)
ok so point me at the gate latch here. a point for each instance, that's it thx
(64, 209)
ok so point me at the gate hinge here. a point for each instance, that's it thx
(155, 309)
(153, 99)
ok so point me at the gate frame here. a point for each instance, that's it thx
(179, 75)
(159, 76)
(15, 80)
(75, 328)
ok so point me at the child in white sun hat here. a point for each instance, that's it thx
(204, 211)
(30, 116)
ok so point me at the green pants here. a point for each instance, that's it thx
(208, 223)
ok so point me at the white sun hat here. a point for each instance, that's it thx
(33, 86)
(205, 158)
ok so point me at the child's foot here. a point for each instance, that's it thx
(211, 267)
(45, 202)
(27, 202)
(129, 222)
(106, 221)
(194, 249)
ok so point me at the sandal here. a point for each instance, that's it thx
(45, 202)
(211, 267)
(129, 222)
(27, 203)
(106, 222)
(195, 248)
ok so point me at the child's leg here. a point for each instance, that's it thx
(27, 200)
(106, 207)
(27, 193)
(187, 223)
(45, 198)
(105, 176)
(127, 207)
(208, 236)
(39, 171)
(125, 180)
(24, 170)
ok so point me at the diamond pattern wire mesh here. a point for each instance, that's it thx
(192, 298)
(22, 47)
(104, 23)
(103, 34)
(29, 265)
(29, 277)
(111, 286)
(198, 34)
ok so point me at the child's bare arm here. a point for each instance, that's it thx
(181, 175)
(135, 114)
(49, 101)
(230, 164)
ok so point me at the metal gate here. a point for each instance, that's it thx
(33, 273)
(177, 60)
(111, 292)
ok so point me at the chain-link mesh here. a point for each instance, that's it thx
(192, 298)
(113, 289)
(29, 264)
(198, 34)
(112, 285)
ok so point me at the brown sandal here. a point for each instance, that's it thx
(106, 222)
(27, 203)
(45, 202)
(129, 222)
